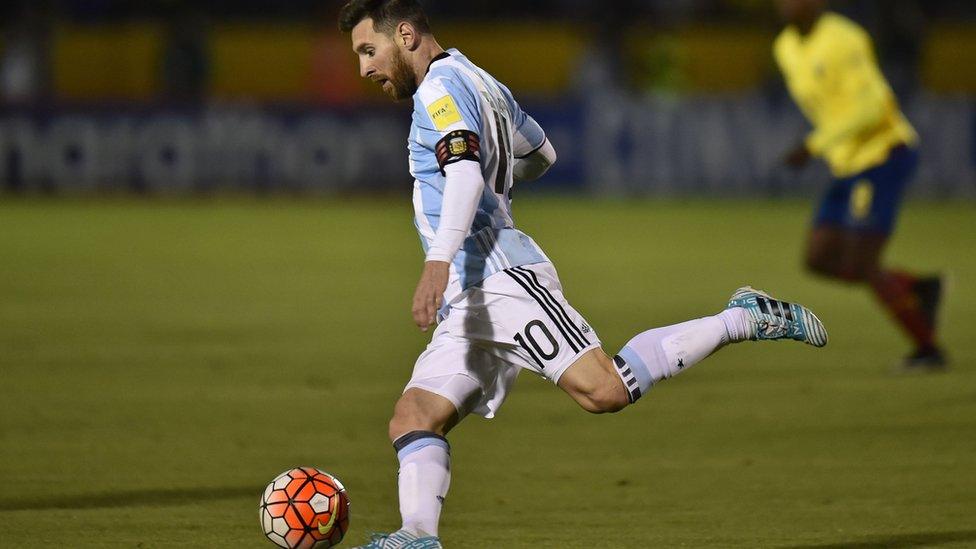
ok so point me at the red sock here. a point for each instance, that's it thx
(894, 290)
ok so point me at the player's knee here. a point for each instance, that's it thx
(401, 424)
(420, 410)
(819, 264)
(594, 384)
(841, 270)
(857, 270)
(408, 417)
(609, 404)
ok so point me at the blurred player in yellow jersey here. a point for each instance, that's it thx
(859, 130)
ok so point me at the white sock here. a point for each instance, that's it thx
(739, 324)
(662, 353)
(425, 476)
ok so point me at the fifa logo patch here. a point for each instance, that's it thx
(444, 112)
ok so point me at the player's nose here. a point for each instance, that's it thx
(365, 69)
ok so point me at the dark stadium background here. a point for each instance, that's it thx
(206, 261)
(658, 98)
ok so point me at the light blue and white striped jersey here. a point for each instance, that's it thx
(454, 98)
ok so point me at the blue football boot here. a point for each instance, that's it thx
(775, 319)
(402, 539)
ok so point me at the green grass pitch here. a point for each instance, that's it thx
(160, 362)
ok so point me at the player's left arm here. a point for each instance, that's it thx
(533, 152)
(535, 164)
(861, 98)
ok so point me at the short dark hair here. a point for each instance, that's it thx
(386, 14)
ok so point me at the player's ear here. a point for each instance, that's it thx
(406, 36)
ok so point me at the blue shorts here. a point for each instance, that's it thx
(869, 201)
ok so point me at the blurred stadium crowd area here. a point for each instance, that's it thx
(643, 97)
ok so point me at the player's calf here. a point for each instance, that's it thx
(592, 383)
(420, 421)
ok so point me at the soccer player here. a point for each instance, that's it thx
(831, 72)
(494, 295)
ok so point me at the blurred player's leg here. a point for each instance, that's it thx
(912, 301)
(928, 290)
(851, 229)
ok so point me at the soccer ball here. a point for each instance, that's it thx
(304, 508)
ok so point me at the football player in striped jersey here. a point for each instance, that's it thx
(491, 291)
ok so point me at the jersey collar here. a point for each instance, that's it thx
(442, 55)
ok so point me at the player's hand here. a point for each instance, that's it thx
(428, 297)
(798, 157)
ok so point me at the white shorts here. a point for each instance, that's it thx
(517, 318)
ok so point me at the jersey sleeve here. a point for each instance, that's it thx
(452, 120)
(528, 134)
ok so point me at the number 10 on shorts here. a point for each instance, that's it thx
(530, 338)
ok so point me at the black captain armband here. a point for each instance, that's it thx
(457, 146)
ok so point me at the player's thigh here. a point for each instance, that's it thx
(847, 253)
(874, 204)
(877, 197)
(823, 249)
(831, 212)
(515, 319)
(531, 319)
(862, 254)
(851, 227)
(463, 371)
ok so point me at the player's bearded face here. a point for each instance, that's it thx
(383, 61)
(403, 84)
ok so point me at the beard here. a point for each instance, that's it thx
(402, 79)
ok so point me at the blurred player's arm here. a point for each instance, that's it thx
(860, 103)
(536, 163)
(459, 159)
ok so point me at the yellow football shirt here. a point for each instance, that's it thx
(834, 77)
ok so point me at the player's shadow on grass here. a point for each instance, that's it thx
(898, 541)
(131, 498)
